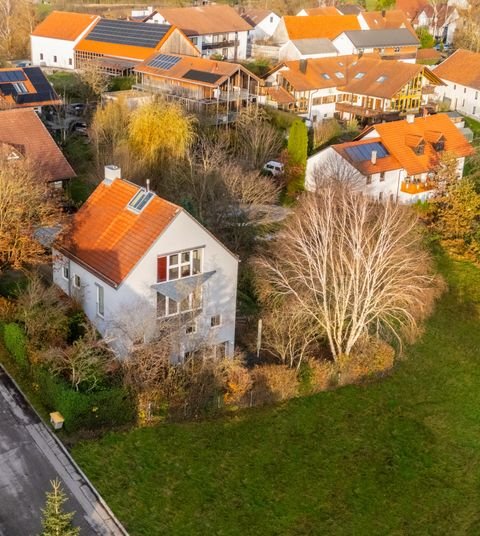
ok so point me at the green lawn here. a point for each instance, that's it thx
(400, 456)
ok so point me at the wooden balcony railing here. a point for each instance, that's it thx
(410, 187)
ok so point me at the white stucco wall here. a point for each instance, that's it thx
(343, 44)
(462, 98)
(135, 299)
(63, 50)
(289, 52)
(265, 28)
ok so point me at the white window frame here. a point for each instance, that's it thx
(66, 270)
(100, 291)
(183, 264)
(213, 326)
(191, 327)
(194, 304)
(75, 278)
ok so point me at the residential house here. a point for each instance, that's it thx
(214, 29)
(216, 89)
(118, 45)
(349, 9)
(320, 10)
(393, 161)
(134, 260)
(263, 21)
(23, 136)
(367, 88)
(54, 39)
(384, 20)
(460, 73)
(298, 49)
(391, 44)
(26, 87)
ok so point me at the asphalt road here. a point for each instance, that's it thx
(29, 459)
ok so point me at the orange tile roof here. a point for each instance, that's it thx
(411, 8)
(394, 18)
(322, 10)
(201, 20)
(64, 25)
(328, 26)
(223, 69)
(387, 163)
(394, 137)
(110, 239)
(462, 67)
(428, 54)
(280, 95)
(23, 130)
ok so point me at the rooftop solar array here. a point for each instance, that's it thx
(201, 76)
(164, 61)
(12, 76)
(122, 32)
(363, 152)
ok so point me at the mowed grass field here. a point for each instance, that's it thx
(400, 456)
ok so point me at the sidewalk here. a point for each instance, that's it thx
(31, 456)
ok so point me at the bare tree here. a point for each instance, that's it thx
(335, 169)
(352, 266)
(94, 78)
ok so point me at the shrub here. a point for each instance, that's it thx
(325, 131)
(109, 407)
(324, 374)
(16, 343)
(235, 379)
(273, 383)
(371, 357)
(7, 310)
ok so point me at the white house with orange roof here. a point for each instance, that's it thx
(136, 262)
(54, 39)
(392, 161)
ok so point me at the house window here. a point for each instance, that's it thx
(66, 273)
(76, 281)
(476, 95)
(70, 61)
(382, 176)
(359, 75)
(170, 307)
(463, 103)
(215, 321)
(100, 300)
(474, 111)
(41, 55)
(454, 86)
(396, 49)
(439, 146)
(271, 20)
(54, 59)
(179, 265)
(419, 149)
(464, 89)
(369, 179)
(380, 196)
(220, 350)
(191, 327)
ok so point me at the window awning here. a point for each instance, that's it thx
(180, 288)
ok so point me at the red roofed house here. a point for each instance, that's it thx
(394, 160)
(54, 39)
(134, 260)
(24, 136)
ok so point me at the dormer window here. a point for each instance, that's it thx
(381, 79)
(140, 200)
(419, 149)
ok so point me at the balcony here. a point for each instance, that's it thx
(221, 44)
(428, 90)
(360, 110)
(416, 187)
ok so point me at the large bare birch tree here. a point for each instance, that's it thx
(352, 266)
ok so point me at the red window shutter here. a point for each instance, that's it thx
(161, 269)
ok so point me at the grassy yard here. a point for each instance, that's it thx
(399, 456)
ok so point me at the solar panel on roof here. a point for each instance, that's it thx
(201, 76)
(12, 76)
(123, 32)
(164, 61)
(359, 153)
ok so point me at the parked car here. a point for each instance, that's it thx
(79, 127)
(76, 108)
(274, 168)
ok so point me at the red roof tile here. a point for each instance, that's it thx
(109, 238)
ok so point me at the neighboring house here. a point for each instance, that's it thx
(307, 48)
(217, 89)
(313, 27)
(23, 136)
(132, 260)
(441, 21)
(214, 29)
(349, 9)
(321, 10)
(54, 39)
(119, 45)
(391, 44)
(393, 161)
(367, 88)
(384, 20)
(263, 21)
(26, 87)
(460, 73)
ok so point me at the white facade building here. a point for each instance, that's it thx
(263, 21)
(132, 269)
(54, 39)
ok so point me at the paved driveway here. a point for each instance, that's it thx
(29, 458)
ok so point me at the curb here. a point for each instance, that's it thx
(65, 451)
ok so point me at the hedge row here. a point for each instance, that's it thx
(106, 408)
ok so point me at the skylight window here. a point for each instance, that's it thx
(381, 79)
(326, 76)
(140, 200)
(338, 74)
(20, 88)
(359, 75)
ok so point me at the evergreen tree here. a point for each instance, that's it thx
(55, 521)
